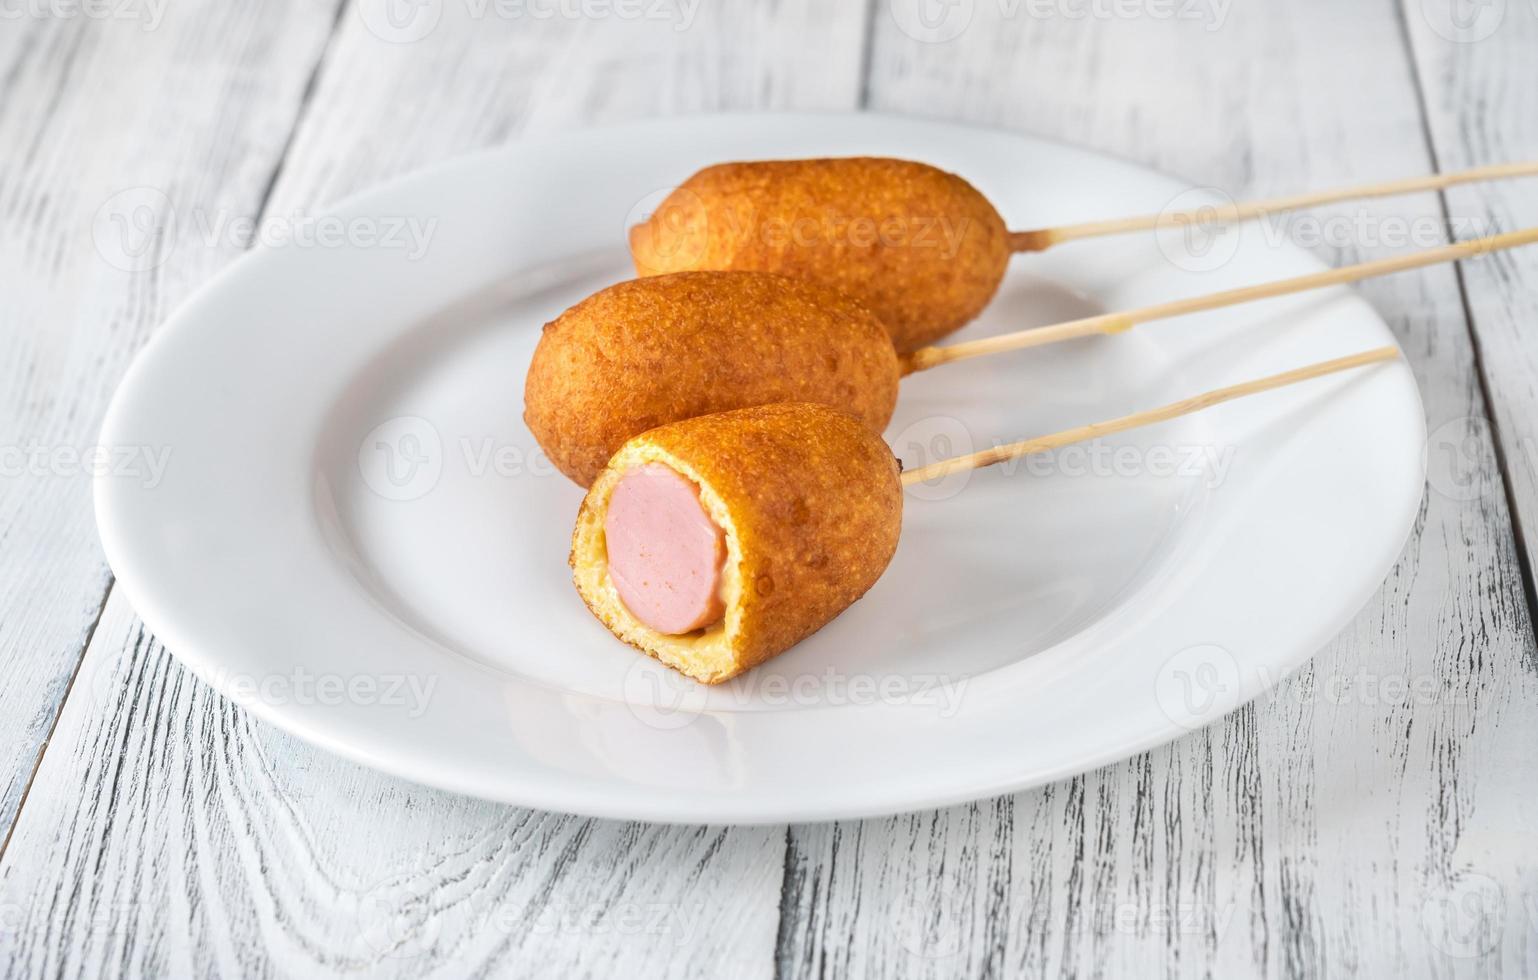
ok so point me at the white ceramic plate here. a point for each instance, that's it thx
(357, 538)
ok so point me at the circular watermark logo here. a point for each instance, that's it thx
(930, 440)
(1464, 21)
(660, 697)
(1191, 232)
(928, 933)
(400, 21)
(1196, 683)
(134, 228)
(13, 916)
(1459, 459)
(402, 458)
(668, 229)
(1466, 916)
(932, 21)
(108, 680)
(396, 923)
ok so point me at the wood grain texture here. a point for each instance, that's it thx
(1371, 815)
(105, 201)
(169, 833)
(172, 834)
(1479, 82)
(384, 107)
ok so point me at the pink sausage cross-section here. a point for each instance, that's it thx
(665, 553)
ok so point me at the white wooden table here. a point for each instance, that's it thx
(1378, 814)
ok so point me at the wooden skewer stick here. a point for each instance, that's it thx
(1041, 239)
(1105, 323)
(1083, 433)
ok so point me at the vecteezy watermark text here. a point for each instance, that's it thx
(938, 437)
(408, 21)
(147, 13)
(403, 458)
(938, 21)
(301, 686)
(137, 229)
(1197, 232)
(673, 921)
(1196, 684)
(147, 464)
(664, 699)
(673, 225)
(1097, 459)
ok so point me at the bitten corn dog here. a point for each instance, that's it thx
(717, 542)
(808, 506)
(921, 248)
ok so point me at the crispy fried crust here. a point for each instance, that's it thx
(811, 504)
(920, 247)
(651, 351)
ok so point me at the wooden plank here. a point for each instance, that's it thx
(125, 138)
(1479, 82)
(171, 834)
(386, 108)
(1371, 815)
(168, 833)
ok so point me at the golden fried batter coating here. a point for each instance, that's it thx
(651, 351)
(921, 248)
(811, 503)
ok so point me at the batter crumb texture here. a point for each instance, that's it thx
(921, 248)
(810, 504)
(647, 352)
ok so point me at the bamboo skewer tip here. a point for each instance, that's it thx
(1108, 323)
(1041, 239)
